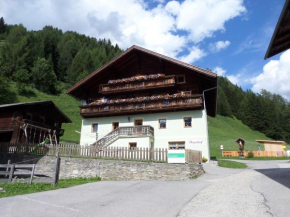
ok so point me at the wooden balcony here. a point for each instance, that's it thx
(167, 81)
(42, 126)
(186, 103)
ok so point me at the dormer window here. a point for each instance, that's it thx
(180, 79)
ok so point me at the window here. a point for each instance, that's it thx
(95, 128)
(162, 123)
(187, 122)
(132, 145)
(15, 114)
(180, 79)
(176, 145)
(42, 119)
(29, 116)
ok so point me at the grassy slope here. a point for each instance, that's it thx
(225, 131)
(69, 107)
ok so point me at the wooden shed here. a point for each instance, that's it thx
(31, 122)
(271, 145)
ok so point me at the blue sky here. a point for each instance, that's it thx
(229, 37)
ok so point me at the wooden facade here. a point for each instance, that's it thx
(31, 122)
(142, 81)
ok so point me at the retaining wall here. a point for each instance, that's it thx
(123, 170)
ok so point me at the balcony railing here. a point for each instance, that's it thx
(189, 102)
(167, 81)
(35, 124)
(136, 131)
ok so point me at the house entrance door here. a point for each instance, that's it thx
(138, 123)
(115, 125)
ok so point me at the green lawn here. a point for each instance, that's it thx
(231, 164)
(225, 131)
(13, 189)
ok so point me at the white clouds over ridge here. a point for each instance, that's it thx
(129, 22)
(275, 76)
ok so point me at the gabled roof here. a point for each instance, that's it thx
(45, 103)
(134, 47)
(281, 37)
(271, 142)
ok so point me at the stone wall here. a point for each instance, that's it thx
(121, 170)
(125, 170)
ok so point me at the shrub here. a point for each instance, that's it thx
(250, 154)
(204, 159)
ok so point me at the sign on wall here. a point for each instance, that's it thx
(195, 142)
(176, 156)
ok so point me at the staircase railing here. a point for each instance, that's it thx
(135, 131)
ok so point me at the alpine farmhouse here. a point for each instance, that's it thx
(145, 99)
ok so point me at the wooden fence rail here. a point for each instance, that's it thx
(122, 153)
(256, 153)
(48, 173)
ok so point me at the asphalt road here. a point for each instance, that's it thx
(262, 190)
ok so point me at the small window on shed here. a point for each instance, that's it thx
(42, 119)
(15, 114)
(180, 79)
(28, 116)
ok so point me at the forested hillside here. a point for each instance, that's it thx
(46, 59)
(265, 112)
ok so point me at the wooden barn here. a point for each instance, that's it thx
(31, 122)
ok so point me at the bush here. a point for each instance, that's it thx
(204, 159)
(250, 154)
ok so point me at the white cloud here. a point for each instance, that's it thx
(235, 79)
(275, 76)
(203, 17)
(169, 28)
(219, 45)
(219, 70)
(194, 54)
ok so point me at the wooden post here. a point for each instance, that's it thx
(56, 169)
(11, 173)
(32, 173)
(7, 169)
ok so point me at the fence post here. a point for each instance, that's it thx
(7, 169)
(32, 173)
(56, 171)
(11, 173)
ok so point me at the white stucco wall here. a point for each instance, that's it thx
(195, 138)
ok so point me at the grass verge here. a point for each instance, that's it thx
(17, 188)
(231, 164)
